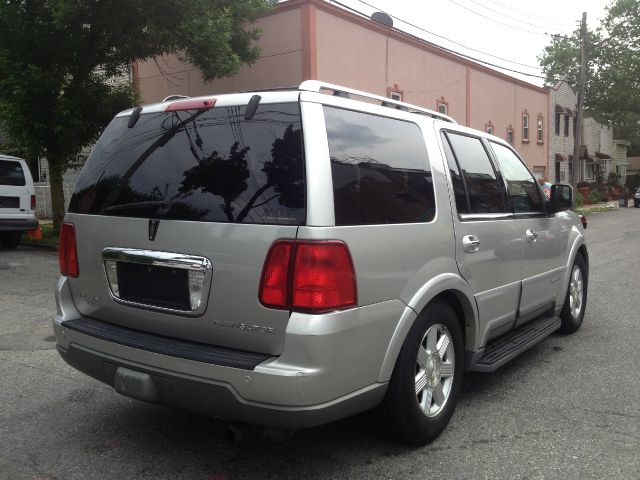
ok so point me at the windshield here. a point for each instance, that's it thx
(199, 165)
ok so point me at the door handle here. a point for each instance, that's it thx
(532, 235)
(470, 243)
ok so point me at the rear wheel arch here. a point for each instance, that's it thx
(464, 310)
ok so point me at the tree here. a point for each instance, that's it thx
(60, 62)
(613, 73)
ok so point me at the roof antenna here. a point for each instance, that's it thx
(252, 106)
(135, 115)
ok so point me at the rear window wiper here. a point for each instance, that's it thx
(136, 205)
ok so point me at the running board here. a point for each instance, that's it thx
(502, 349)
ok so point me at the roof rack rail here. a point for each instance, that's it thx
(317, 86)
(175, 97)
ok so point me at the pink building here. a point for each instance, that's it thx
(312, 39)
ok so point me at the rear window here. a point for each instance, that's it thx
(211, 166)
(380, 169)
(11, 173)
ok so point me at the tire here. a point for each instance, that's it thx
(10, 239)
(575, 302)
(418, 418)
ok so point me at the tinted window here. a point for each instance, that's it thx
(11, 173)
(380, 169)
(457, 182)
(522, 189)
(207, 166)
(479, 176)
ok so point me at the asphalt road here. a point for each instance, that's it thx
(568, 408)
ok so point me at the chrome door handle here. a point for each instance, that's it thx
(532, 235)
(470, 243)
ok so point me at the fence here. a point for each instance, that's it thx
(43, 198)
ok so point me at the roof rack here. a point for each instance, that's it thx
(317, 86)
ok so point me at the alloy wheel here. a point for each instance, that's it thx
(435, 366)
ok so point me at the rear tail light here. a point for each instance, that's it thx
(274, 285)
(33, 202)
(309, 276)
(68, 252)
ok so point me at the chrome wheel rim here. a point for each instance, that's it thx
(435, 365)
(576, 292)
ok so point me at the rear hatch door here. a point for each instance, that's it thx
(15, 189)
(175, 215)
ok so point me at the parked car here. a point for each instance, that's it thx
(636, 198)
(293, 257)
(17, 201)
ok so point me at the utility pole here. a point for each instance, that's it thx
(581, 88)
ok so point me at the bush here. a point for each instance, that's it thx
(579, 200)
(594, 196)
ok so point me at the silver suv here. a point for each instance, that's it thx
(288, 258)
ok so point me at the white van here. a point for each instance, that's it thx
(17, 201)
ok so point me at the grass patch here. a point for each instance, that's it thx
(48, 237)
(587, 210)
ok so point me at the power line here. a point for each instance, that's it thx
(502, 23)
(505, 15)
(531, 15)
(449, 40)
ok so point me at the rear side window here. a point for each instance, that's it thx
(11, 173)
(479, 176)
(380, 169)
(212, 166)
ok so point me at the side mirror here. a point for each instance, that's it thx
(561, 198)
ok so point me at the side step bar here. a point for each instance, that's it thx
(502, 349)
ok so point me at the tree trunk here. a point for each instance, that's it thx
(57, 192)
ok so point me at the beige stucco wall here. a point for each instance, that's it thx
(503, 103)
(352, 55)
(280, 65)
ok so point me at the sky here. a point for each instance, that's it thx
(513, 30)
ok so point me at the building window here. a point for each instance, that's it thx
(442, 106)
(575, 124)
(510, 135)
(395, 93)
(589, 171)
(488, 127)
(566, 125)
(558, 118)
(525, 127)
(540, 129)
